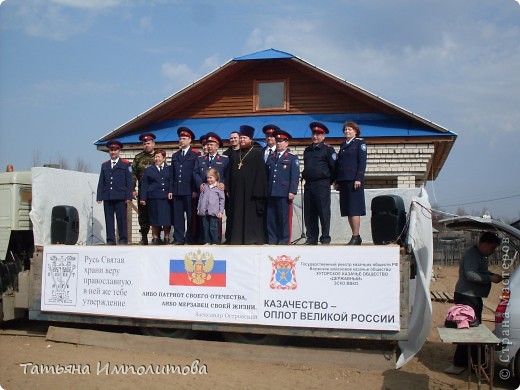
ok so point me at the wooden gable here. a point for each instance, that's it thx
(307, 94)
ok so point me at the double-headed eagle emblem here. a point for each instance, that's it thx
(198, 265)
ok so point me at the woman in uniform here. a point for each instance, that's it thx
(350, 178)
(157, 194)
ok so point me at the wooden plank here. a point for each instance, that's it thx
(307, 94)
(436, 296)
(477, 335)
(214, 349)
(21, 332)
(449, 297)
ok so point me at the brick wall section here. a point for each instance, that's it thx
(388, 166)
(393, 165)
(405, 165)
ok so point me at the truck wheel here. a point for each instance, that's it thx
(517, 367)
(167, 332)
(253, 338)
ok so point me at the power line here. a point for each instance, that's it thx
(490, 192)
(480, 201)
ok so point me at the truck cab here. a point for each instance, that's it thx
(16, 235)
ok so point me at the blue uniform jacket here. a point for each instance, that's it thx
(352, 161)
(182, 169)
(283, 174)
(202, 166)
(115, 184)
(156, 184)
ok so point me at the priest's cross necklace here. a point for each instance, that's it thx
(240, 164)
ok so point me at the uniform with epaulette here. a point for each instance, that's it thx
(283, 174)
(142, 161)
(183, 187)
(156, 189)
(115, 190)
(350, 179)
(318, 173)
(206, 162)
(351, 166)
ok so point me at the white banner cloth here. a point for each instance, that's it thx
(302, 286)
(57, 187)
(52, 187)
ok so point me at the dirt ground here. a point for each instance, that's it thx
(24, 360)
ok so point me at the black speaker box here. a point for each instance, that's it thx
(64, 225)
(388, 219)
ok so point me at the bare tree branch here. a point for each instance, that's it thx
(37, 158)
(82, 165)
(63, 162)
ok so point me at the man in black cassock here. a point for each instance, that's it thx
(246, 182)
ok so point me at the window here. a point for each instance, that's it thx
(271, 95)
(25, 195)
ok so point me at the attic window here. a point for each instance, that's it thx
(271, 95)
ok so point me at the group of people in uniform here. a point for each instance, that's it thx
(253, 186)
(346, 170)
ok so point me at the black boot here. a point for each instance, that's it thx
(355, 240)
(144, 240)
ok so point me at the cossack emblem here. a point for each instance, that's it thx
(283, 276)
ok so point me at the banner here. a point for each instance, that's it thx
(342, 287)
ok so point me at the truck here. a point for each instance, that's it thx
(16, 242)
(255, 294)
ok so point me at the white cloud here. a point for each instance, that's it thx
(61, 19)
(88, 4)
(58, 91)
(211, 63)
(145, 24)
(458, 69)
(255, 41)
(178, 76)
(44, 19)
(284, 34)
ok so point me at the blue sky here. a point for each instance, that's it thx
(72, 71)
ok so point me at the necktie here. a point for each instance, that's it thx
(183, 153)
(210, 159)
(160, 168)
(113, 164)
(270, 153)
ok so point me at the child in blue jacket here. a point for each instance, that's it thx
(211, 208)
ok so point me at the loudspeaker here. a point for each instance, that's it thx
(64, 225)
(388, 219)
